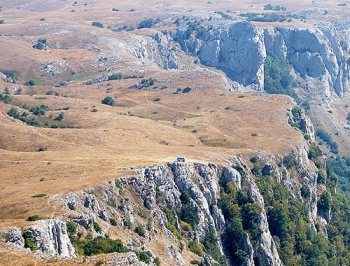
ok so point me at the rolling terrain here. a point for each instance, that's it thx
(167, 103)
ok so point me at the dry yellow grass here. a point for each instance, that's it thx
(207, 124)
(202, 125)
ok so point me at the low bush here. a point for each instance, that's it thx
(108, 101)
(29, 241)
(140, 230)
(196, 248)
(147, 23)
(97, 227)
(97, 24)
(35, 217)
(39, 195)
(113, 222)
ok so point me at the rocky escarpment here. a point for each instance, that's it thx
(239, 49)
(165, 210)
(48, 236)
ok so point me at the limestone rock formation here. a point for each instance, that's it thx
(238, 48)
(50, 236)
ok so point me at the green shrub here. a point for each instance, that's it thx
(97, 24)
(142, 213)
(253, 160)
(30, 83)
(35, 217)
(305, 192)
(185, 226)
(169, 215)
(71, 227)
(289, 161)
(113, 222)
(7, 99)
(140, 230)
(97, 227)
(128, 224)
(116, 76)
(157, 261)
(196, 248)
(109, 101)
(14, 113)
(256, 170)
(156, 99)
(147, 23)
(39, 195)
(100, 245)
(187, 89)
(297, 112)
(29, 241)
(173, 230)
(325, 201)
(278, 79)
(60, 117)
(143, 256)
(321, 177)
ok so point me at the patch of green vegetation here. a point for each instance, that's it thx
(185, 226)
(10, 73)
(115, 76)
(97, 227)
(109, 101)
(37, 117)
(71, 228)
(145, 83)
(327, 138)
(140, 230)
(265, 17)
(128, 224)
(6, 98)
(34, 217)
(173, 230)
(143, 256)
(187, 212)
(278, 79)
(37, 81)
(296, 241)
(210, 243)
(275, 8)
(289, 161)
(97, 24)
(243, 215)
(113, 222)
(224, 15)
(29, 241)
(39, 195)
(147, 23)
(196, 248)
(40, 98)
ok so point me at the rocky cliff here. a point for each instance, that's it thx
(166, 210)
(239, 49)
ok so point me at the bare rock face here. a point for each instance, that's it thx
(319, 48)
(248, 248)
(51, 237)
(237, 48)
(232, 175)
(15, 237)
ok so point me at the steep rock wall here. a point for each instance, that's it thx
(239, 49)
